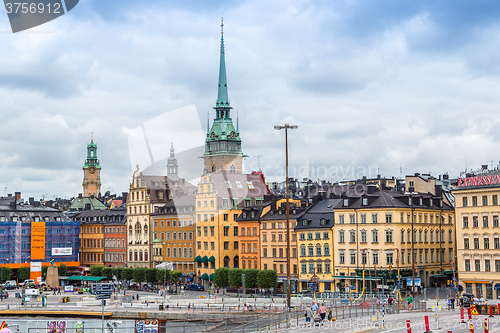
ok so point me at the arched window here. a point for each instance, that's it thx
(130, 255)
(236, 262)
(310, 251)
(318, 250)
(145, 255)
(402, 235)
(232, 169)
(145, 229)
(420, 238)
(130, 229)
(135, 256)
(303, 250)
(326, 250)
(226, 261)
(213, 168)
(450, 236)
(140, 256)
(137, 228)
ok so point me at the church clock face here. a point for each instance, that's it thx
(213, 135)
(92, 169)
(233, 134)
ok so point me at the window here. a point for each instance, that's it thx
(352, 218)
(388, 218)
(341, 219)
(235, 245)
(477, 265)
(280, 253)
(318, 250)
(228, 184)
(486, 244)
(303, 268)
(495, 200)
(317, 236)
(274, 252)
(238, 184)
(353, 258)
(302, 236)
(497, 265)
(464, 202)
(205, 231)
(341, 257)
(365, 201)
(466, 243)
(475, 222)
(487, 266)
(375, 258)
(450, 236)
(264, 252)
(226, 231)
(374, 236)
(485, 200)
(426, 236)
(474, 201)
(326, 250)
(341, 236)
(363, 218)
(243, 245)
(496, 242)
(495, 220)
(389, 236)
(476, 243)
(226, 217)
(303, 251)
(326, 235)
(467, 265)
(485, 221)
(363, 236)
(402, 236)
(322, 221)
(310, 251)
(389, 258)
(352, 236)
(235, 231)
(250, 186)
(374, 218)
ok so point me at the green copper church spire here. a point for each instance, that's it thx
(222, 106)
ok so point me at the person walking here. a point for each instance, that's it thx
(5, 329)
(410, 302)
(314, 306)
(308, 314)
(322, 312)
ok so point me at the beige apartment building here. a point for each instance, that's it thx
(478, 234)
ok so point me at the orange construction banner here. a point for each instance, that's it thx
(37, 240)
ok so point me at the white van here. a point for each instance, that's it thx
(32, 292)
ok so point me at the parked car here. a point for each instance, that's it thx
(9, 284)
(468, 300)
(196, 287)
(4, 294)
(27, 283)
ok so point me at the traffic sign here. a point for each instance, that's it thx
(103, 287)
(103, 296)
(102, 292)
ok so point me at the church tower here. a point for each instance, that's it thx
(91, 172)
(223, 143)
(172, 167)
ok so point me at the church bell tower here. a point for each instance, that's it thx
(91, 172)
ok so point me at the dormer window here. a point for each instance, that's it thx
(252, 214)
(421, 202)
(409, 201)
(322, 222)
(365, 201)
(304, 222)
(346, 202)
(244, 215)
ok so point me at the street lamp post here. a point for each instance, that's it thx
(286, 127)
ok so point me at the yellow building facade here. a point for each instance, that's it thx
(478, 235)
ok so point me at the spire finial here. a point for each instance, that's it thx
(208, 122)
(91, 136)
(222, 26)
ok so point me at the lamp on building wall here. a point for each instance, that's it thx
(286, 127)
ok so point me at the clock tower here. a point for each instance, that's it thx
(91, 172)
(223, 143)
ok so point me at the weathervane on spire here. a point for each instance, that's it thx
(92, 136)
(222, 25)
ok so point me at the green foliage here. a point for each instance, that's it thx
(127, 273)
(175, 276)
(44, 271)
(96, 270)
(267, 278)
(251, 277)
(160, 275)
(5, 273)
(62, 269)
(151, 276)
(118, 273)
(139, 274)
(107, 272)
(23, 273)
(234, 277)
(221, 277)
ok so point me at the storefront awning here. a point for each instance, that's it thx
(478, 281)
(197, 259)
(438, 275)
(204, 276)
(204, 260)
(211, 277)
(449, 272)
(497, 286)
(211, 259)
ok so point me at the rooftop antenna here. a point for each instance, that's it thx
(401, 171)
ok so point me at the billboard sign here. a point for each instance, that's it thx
(37, 240)
(62, 251)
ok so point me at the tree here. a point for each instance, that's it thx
(163, 275)
(127, 273)
(151, 276)
(62, 269)
(5, 273)
(96, 270)
(44, 271)
(118, 273)
(107, 272)
(221, 278)
(175, 276)
(267, 278)
(23, 273)
(251, 278)
(139, 274)
(234, 277)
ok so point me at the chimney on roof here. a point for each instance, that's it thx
(417, 174)
(13, 205)
(484, 167)
(18, 195)
(36, 204)
(80, 195)
(31, 201)
(92, 196)
(124, 197)
(371, 188)
(87, 206)
(9, 195)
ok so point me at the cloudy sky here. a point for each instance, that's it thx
(374, 86)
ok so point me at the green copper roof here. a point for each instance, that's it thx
(222, 96)
(92, 156)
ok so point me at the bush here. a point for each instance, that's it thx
(5, 273)
(267, 279)
(151, 275)
(127, 273)
(163, 275)
(139, 274)
(221, 277)
(23, 273)
(61, 270)
(251, 278)
(96, 270)
(234, 277)
(107, 272)
(175, 276)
